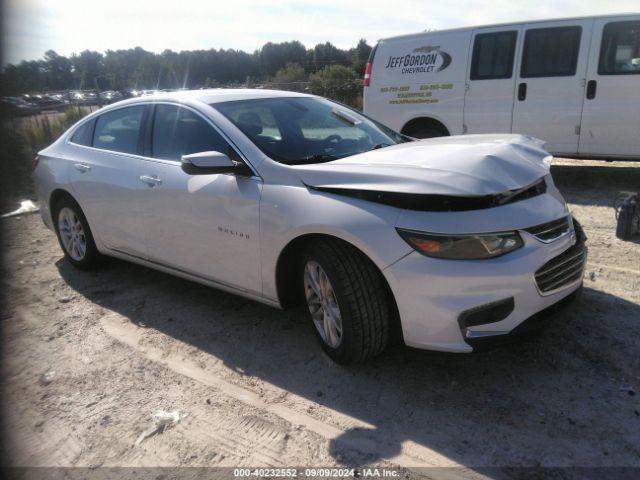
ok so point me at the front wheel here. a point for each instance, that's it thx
(347, 299)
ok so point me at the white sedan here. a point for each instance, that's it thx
(449, 244)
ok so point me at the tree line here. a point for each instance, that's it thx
(286, 63)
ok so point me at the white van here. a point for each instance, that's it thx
(574, 83)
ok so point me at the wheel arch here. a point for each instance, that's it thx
(289, 292)
(425, 122)
(57, 195)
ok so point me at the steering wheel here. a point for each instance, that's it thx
(334, 138)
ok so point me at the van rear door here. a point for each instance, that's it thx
(611, 113)
(551, 82)
(488, 103)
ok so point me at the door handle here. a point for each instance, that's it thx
(592, 86)
(82, 167)
(522, 92)
(151, 181)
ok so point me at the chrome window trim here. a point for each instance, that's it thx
(159, 160)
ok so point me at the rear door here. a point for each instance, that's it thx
(104, 177)
(488, 104)
(611, 113)
(550, 83)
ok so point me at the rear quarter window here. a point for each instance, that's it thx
(83, 134)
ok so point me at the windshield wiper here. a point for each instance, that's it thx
(317, 159)
(380, 145)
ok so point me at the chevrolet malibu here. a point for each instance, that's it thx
(448, 244)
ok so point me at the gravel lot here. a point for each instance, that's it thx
(88, 357)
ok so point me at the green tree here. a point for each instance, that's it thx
(360, 56)
(337, 82)
(57, 71)
(87, 67)
(291, 77)
(274, 56)
(325, 54)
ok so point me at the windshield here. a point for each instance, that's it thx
(303, 130)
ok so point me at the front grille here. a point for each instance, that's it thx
(551, 230)
(562, 270)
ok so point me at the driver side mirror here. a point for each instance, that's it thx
(208, 163)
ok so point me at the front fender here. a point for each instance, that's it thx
(289, 212)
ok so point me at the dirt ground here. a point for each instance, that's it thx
(88, 357)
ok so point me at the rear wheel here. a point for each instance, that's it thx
(347, 300)
(74, 234)
(425, 128)
(426, 133)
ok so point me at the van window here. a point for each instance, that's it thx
(178, 131)
(493, 55)
(118, 130)
(620, 49)
(551, 52)
(82, 136)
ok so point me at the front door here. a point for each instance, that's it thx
(611, 113)
(550, 83)
(204, 225)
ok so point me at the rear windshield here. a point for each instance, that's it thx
(305, 130)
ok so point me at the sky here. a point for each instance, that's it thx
(31, 27)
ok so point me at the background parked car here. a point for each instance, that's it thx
(18, 107)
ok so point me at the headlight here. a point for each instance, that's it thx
(462, 247)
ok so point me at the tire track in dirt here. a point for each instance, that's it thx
(412, 454)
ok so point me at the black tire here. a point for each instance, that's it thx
(624, 228)
(362, 297)
(427, 133)
(92, 256)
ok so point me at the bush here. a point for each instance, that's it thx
(292, 77)
(40, 131)
(20, 140)
(339, 83)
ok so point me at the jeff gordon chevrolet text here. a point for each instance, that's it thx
(448, 243)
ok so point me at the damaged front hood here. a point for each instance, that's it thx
(459, 166)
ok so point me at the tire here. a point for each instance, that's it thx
(624, 228)
(361, 295)
(427, 133)
(67, 211)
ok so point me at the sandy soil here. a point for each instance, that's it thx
(88, 357)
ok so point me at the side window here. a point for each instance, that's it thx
(493, 55)
(620, 49)
(118, 130)
(178, 131)
(551, 52)
(82, 136)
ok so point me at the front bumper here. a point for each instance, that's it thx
(531, 326)
(433, 294)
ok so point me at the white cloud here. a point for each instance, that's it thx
(33, 26)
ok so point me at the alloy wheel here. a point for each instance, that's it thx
(323, 304)
(72, 234)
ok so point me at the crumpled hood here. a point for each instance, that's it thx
(467, 165)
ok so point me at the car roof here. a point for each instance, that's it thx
(217, 95)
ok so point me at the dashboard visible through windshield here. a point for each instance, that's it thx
(302, 130)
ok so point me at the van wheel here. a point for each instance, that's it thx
(74, 234)
(347, 300)
(427, 133)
